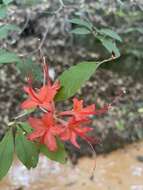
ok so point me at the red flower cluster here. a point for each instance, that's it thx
(52, 124)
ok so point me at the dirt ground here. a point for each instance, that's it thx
(110, 173)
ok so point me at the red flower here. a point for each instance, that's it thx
(42, 97)
(78, 111)
(45, 130)
(73, 130)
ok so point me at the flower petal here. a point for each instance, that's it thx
(88, 110)
(73, 139)
(64, 113)
(29, 104)
(77, 104)
(48, 119)
(43, 93)
(36, 134)
(36, 123)
(82, 131)
(50, 141)
(65, 135)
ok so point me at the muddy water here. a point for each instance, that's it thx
(119, 170)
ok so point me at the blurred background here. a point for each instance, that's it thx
(44, 24)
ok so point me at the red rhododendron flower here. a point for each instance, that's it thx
(45, 129)
(74, 129)
(50, 126)
(78, 111)
(42, 97)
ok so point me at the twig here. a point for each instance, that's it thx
(26, 22)
(42, 41)
(105, 60)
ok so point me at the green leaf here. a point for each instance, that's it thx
(60, 155)
(134, 29)
(110, 33)
(7, 57)
(80, 22)
(81, 31)
(6, 153)
(73, 79)
(26, 127)
(29, 67)
(26, 150)
(3, 12)
(5, 29)
(111, 46)
(6, 2)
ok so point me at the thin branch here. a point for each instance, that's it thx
(26, 22)
(42, 41)
(105, 60)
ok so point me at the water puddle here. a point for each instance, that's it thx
(119, 170)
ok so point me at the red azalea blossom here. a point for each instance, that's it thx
(49, 126)
(42, 97)
(45, 130)
(78, 111)
(74, 129)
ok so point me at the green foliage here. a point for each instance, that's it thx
(8, 57)
(5, 29)
(74, 78)
(59, 156)
(105, 35)
(134, 29)
(25, 127)
(110, 33)
(82, 27)
(81, 31)
(81, 22)
(26, 150)
(6, 2)
(6, 153)
(110, 46)
(3, 12)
